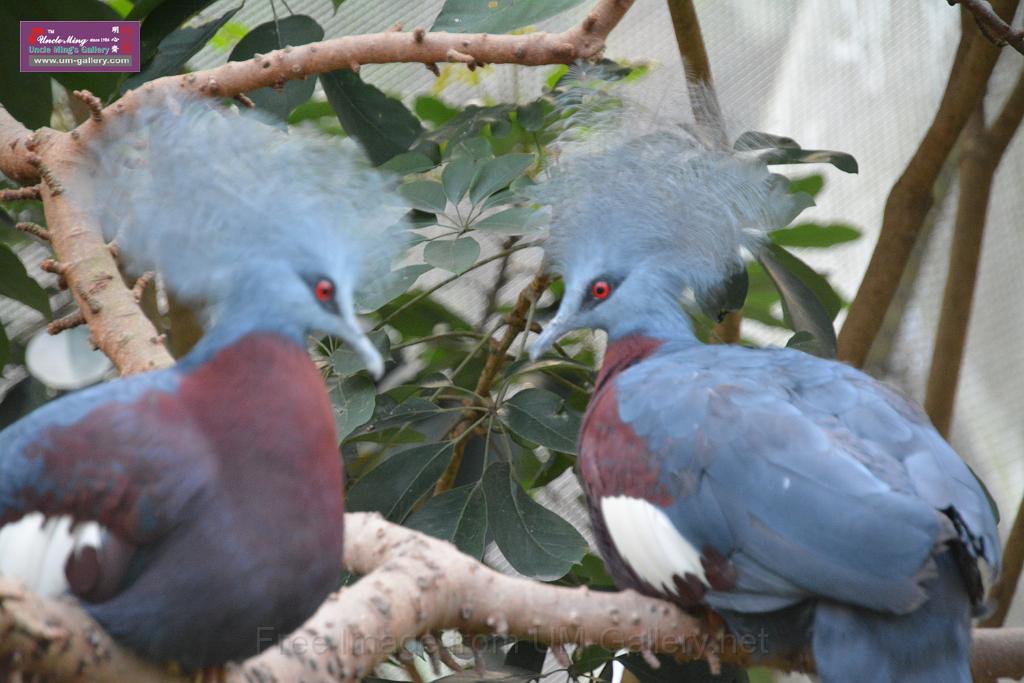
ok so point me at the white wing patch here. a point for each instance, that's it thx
(648, 541)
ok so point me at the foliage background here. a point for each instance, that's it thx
(856, 77)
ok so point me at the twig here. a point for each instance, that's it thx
(33, 229)
(983, 150)
(703, 99)
(139, 288)
(1005, 587)
(911, 196)
(71, 321)
(517, 321)
(20, 193)
(992, 25)
(93, 103)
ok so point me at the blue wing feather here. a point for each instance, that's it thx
(813, 478)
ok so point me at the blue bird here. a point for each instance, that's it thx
(217, 481)
(805, 503)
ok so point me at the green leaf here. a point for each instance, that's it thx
(531, 116)
(395, 486)
(728, 297)
(497, 16)
(22, 399)
(375, 293)
(434, 110)
(542, 417)
(814, 235)
(345, 361)
(27, 96)
(497, 173)
(381, 124)
(337, 4)
(695, 671)
(425, 195)
(297, 29)
(452, 255)
(353, 399)
(536, 541)
(422, 318)
(16, 284)
(161, 17)
(457, 176)
(775, 150)
(514, 221)
(811, 184)
(5, 349)
(409, 162)
(175, 50)
(801, 290)
(458, 516)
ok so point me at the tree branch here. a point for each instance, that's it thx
(983, 150)
(911, 196)
(992, 25)
(405, 592)
(1001, 594)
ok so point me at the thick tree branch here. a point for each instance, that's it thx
(412, 585)
(982, 152)
(992, 25)
(911, 196)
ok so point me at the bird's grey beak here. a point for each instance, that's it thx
(352, 333)
(563, 322)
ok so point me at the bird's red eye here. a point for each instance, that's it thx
(600, 290)
(324, 290)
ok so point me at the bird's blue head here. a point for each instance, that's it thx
(637, 220)
(265, 230)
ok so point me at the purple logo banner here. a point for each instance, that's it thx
(49, 46)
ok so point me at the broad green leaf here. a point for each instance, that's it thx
(805, 341)
(694, 671)
(728, 297)
(345, 361)
(542, 417)
(297, 29)
(452, 255)
(434, 110)
(531, 116)
(841, 160)
(514, 221)
(797, 284)
(409, 162)
(5, 349)
(27, 96)
(496, 16)
(422, 318)
(161, 17)
(458, 516)
(497, 173)
(411, 410)
(175, 50)
(22, 399)
(16, 284)
(776, 149)
(814, 235)
(311, 110)
(536, 541)
(353, 399)
(811, 184)
(457, 176)
(395, 486)
(381, 124)
(425, 195)
(380, 291)
(27, 86)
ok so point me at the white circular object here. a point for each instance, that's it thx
(65, 361)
